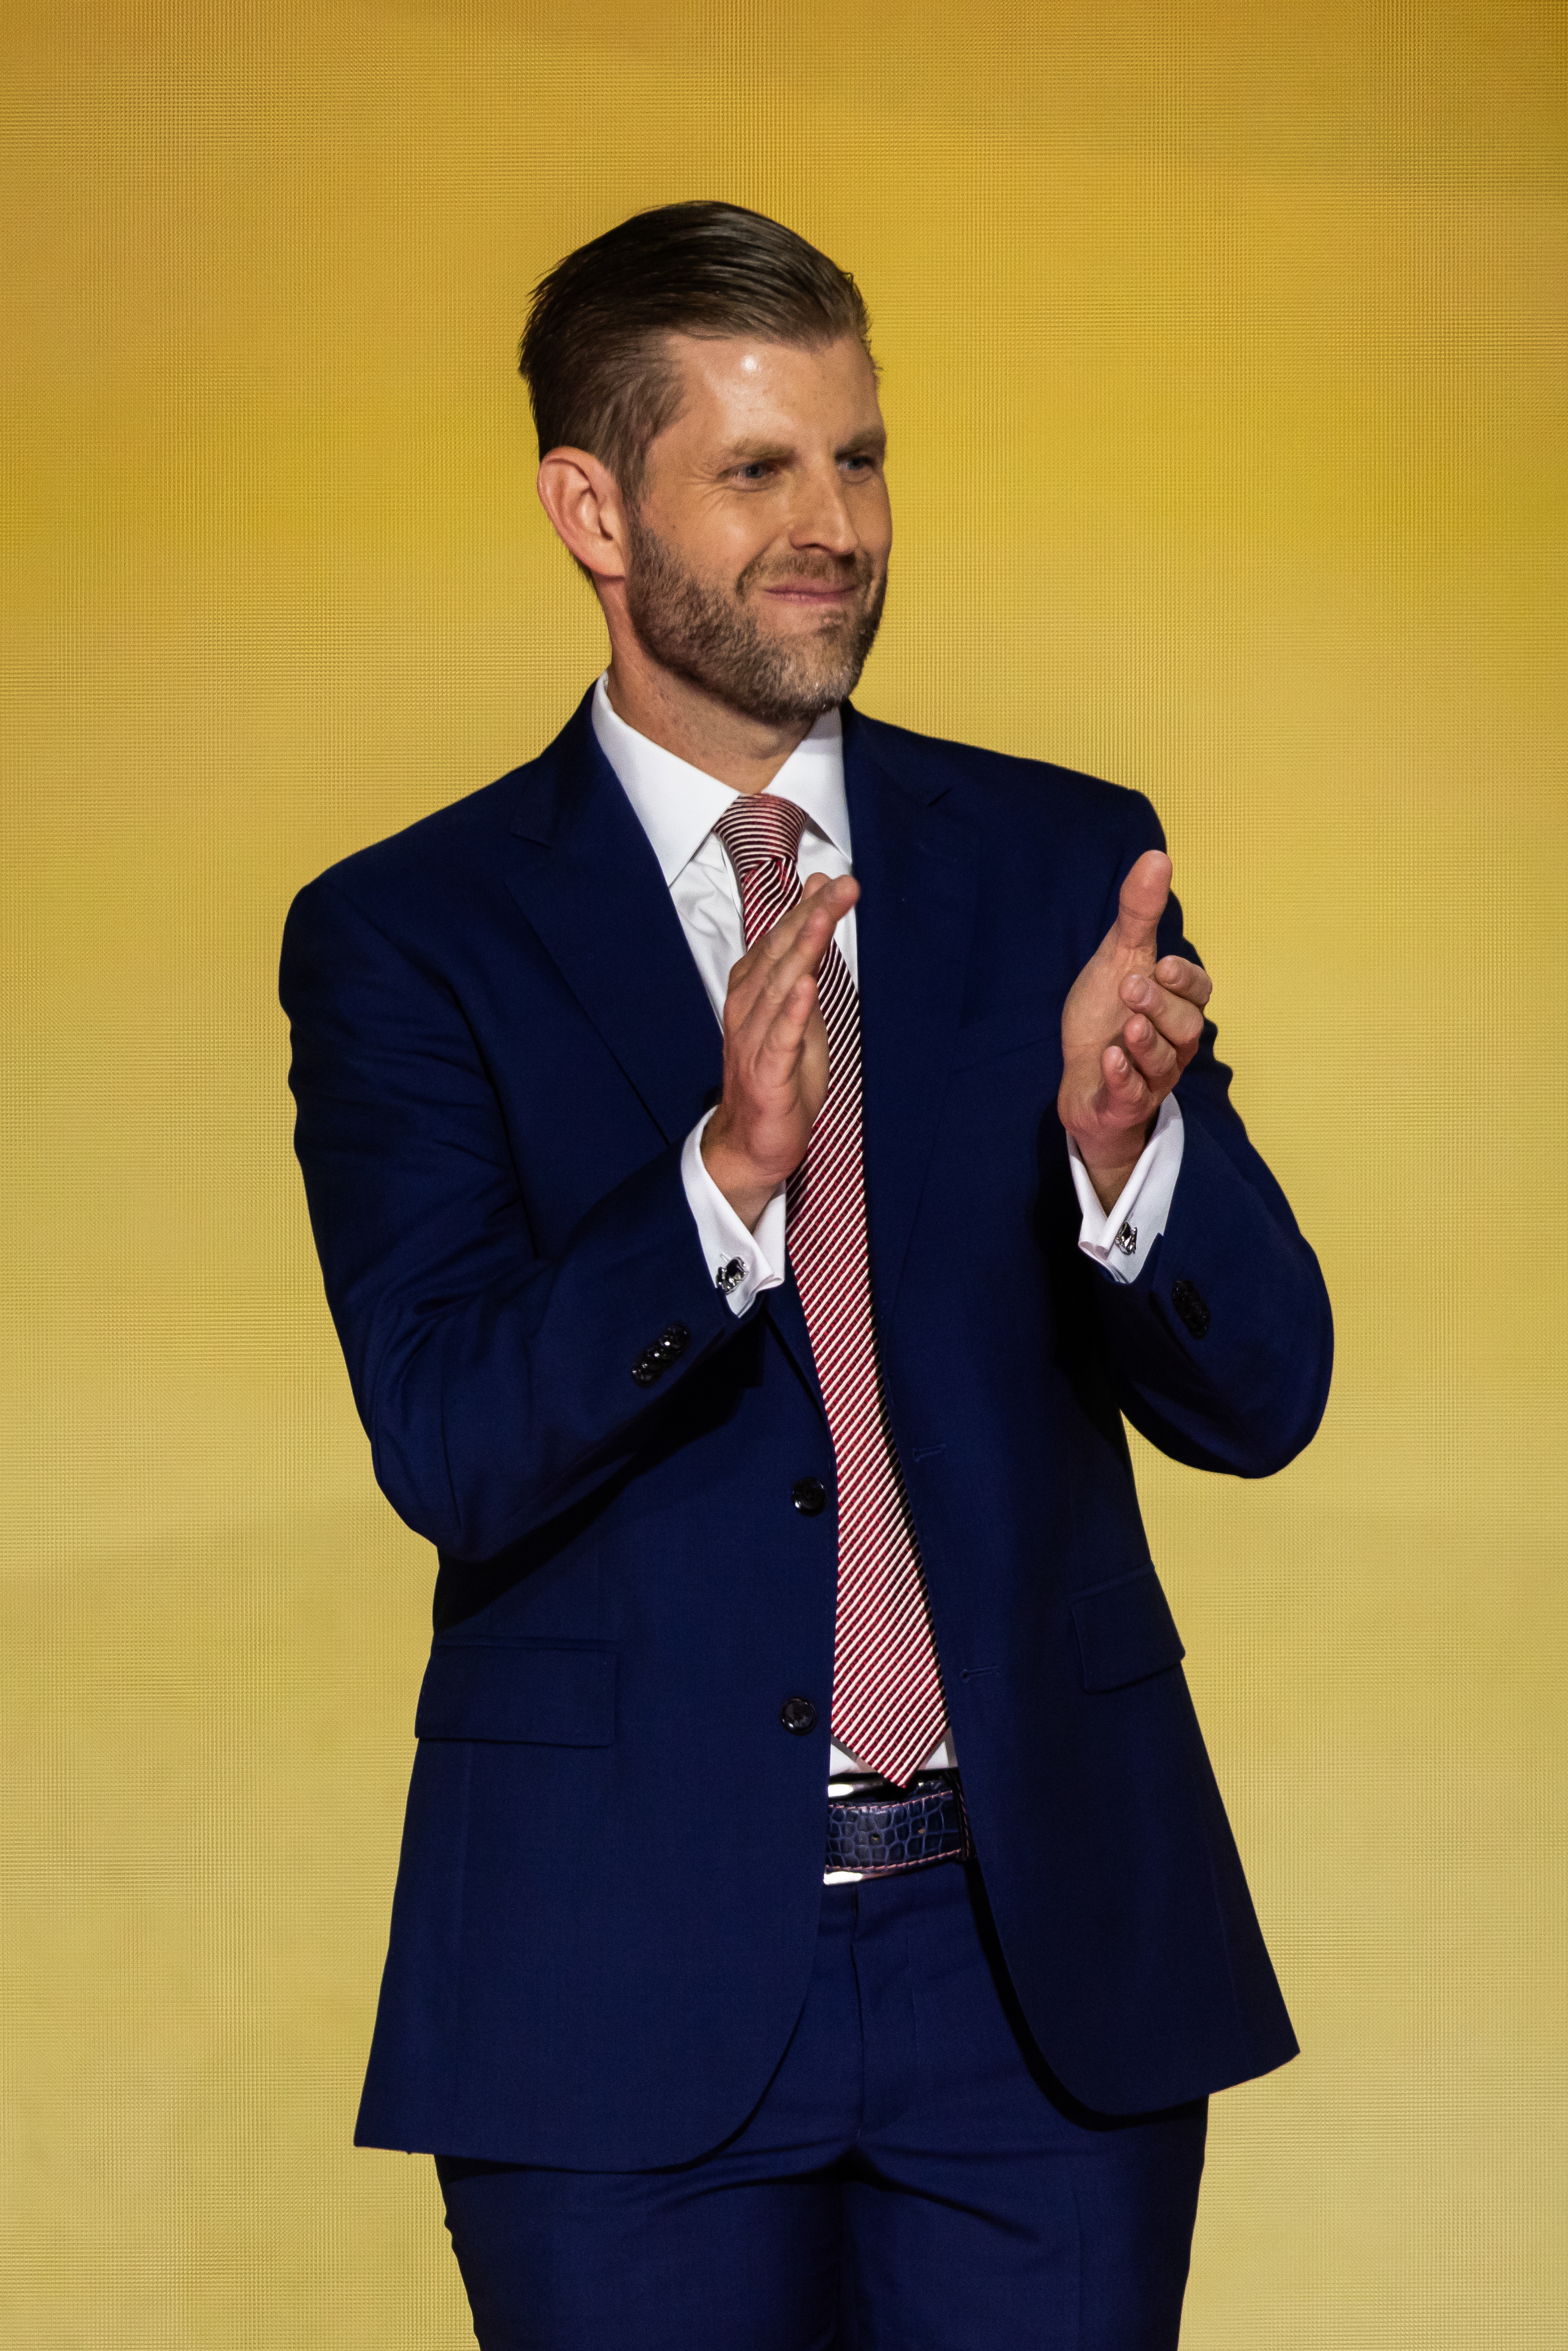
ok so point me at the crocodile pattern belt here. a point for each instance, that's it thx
(882, 1828)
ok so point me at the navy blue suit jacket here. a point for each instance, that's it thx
(612, 1866)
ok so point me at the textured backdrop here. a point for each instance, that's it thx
(1224, 357)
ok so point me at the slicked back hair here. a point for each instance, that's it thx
(593, 352)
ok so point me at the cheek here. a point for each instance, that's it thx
(760, 553)
(721, 545)
(872, 512)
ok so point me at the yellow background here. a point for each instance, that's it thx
(1224, 357)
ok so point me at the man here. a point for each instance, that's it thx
(817, 1921)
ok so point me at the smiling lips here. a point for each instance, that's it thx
(810, 590)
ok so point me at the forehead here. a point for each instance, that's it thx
(734, 387)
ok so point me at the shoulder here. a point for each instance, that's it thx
(428, 899)
(1002, 793)
(418, 865)
(432, 878)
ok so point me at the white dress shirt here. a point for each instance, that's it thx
(678, 806)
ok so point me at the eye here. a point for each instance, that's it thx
(759, 470)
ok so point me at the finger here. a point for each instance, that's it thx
(845, 890)
(798, 941)
(1156, 1059)
(751, 1013)
(804, 957)
(1125, 1092)
(1184, 978)
(761, 966)
(779, 1046)
(1178, 1022)
(816, 912)
(1142, 903)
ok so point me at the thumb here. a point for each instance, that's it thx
(1143, 902)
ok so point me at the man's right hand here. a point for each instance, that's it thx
(774, 1052)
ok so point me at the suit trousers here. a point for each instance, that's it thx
(913, 2179)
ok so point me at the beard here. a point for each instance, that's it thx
(714, 636)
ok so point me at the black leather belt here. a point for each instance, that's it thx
(875, 1827)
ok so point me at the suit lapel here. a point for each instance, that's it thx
(583, 872)
(915, 862)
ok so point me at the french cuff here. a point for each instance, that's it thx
(742, 1264)
(1122, 1242)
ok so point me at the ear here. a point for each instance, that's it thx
(580, 497)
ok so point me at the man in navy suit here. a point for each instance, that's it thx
(758, 1158)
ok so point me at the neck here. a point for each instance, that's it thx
(684, 718)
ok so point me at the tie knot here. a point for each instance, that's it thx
(760, 827)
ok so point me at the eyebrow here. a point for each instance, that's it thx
(746, 453)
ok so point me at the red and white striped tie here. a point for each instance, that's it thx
(888, 1710)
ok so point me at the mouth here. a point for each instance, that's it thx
(812, 594)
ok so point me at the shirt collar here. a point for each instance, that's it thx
(677, 805)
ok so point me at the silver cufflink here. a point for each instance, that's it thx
(1127, 1240)
(730, 1277)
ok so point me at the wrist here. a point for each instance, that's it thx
(745, 1186)
(1109, 1160)
(1109, 1182)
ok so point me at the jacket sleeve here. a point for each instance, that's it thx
(496, 1383)
(1221, 1353)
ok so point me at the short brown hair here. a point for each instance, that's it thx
(592, 352)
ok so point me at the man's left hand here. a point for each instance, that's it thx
(1129, 1028)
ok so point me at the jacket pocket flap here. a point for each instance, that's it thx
(545, 1697)
(1125, 1631)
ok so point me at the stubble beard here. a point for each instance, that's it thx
(713, 637)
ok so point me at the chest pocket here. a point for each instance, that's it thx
(1011, 1030)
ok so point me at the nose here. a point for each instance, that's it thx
(821, 518)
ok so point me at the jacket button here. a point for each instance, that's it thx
(654, 1360)
(798, 1715)
(1192, 1306)
(810, 1497)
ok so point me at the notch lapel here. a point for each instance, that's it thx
(915, 860)
(584, 873)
